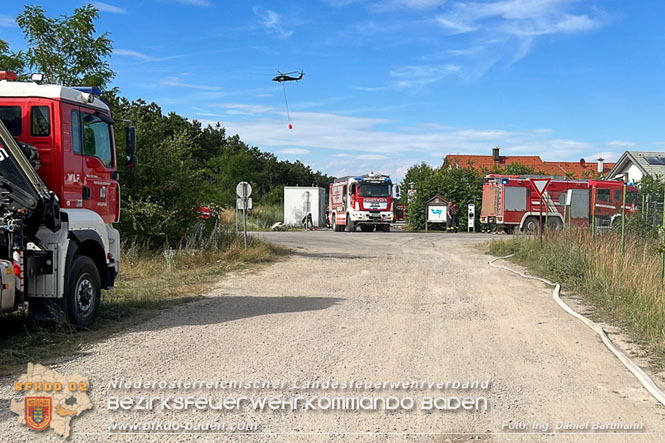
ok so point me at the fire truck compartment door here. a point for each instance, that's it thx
(515, 198)
(579, 204)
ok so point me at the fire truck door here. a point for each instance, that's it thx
(578, 204)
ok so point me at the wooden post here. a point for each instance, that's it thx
(541, 218)
(623, 220)
(593, 212)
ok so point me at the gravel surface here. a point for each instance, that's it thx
(369, 307)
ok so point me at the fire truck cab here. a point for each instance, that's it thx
(365, 201)
(512, 202)
(59, 196)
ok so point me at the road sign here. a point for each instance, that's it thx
(471, 217)
(244, 203)
(540, 184)
(243, 190)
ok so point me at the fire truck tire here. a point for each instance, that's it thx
(554, 223)
(82, 291)
(350, 225)
(366, 228)
(531, 225)
(386, 228)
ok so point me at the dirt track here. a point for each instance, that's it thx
(376, 307)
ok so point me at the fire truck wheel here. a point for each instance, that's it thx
(350, 225)
(336, 227)
(82, 291)
(386, 228)
(366, 228)
(554, 223)
(531, 225)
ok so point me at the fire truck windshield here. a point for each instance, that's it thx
(374, 190)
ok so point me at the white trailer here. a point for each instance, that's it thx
(299, 200)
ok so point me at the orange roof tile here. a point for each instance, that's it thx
(532, 161)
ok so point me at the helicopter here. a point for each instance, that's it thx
(281, 78)
(287, 77)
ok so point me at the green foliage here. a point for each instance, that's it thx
(459, 185)
(10, 61)
(183, 166)
(65, 49)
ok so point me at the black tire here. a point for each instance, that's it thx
(531, 225)
(366, 228)
(554, 223)
(82, 291)
(386, 228)
(350, 225)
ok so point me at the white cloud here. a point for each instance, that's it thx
(293, 151)
(419, 76)
(195, 2)
(130, 53)
(7, 21)
(362, 136)
(508, 29)
(516, 17)
(176, 81)
(390, 5)
(371, 157)
(272, 21)
(621, 143)
(246, 108)
(105, 7)
(605, 155)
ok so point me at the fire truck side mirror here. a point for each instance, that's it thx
(398, 192)
(131, 161)
(130, 140)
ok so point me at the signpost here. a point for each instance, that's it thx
(471, 217)
(540, 184)
(244, 202)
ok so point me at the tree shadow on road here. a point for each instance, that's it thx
(331, 255)
(223, 308)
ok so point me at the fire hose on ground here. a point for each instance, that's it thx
(642, 376)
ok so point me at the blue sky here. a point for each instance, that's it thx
(391, 83)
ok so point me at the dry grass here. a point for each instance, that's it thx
(147, 283)
(626, 289)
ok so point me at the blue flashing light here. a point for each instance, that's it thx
(94, 90)
(504, 181)
(358, 178)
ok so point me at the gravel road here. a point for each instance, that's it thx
(368, 307)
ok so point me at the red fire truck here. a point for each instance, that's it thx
(511, 201)
(365, 201)
(59, 196)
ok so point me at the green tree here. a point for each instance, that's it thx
(10, 61)
(459, 185)
(65, 49)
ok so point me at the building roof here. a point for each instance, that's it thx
(650, 163)
(479, 162)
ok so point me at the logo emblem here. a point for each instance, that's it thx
(38, 412)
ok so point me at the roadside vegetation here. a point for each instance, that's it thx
(149, 282)
(626, 290)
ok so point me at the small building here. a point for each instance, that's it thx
(299, 200)
(634, 165)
